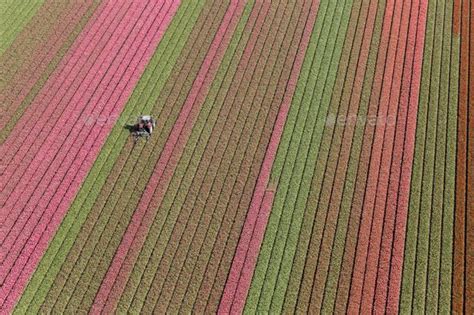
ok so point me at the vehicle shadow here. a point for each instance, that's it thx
(130, 128)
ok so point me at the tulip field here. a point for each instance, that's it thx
(309, 156)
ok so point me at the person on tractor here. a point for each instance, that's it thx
(146, 123)
(144, 127)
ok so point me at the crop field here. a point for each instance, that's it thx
(309, 156)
